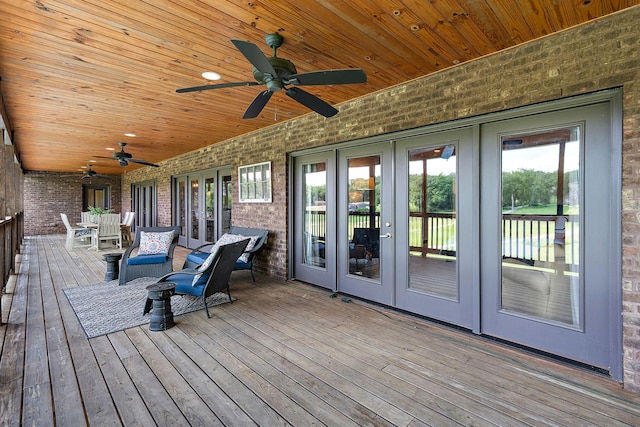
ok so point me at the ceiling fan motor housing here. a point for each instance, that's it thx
(284, 68)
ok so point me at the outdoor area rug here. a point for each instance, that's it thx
(107, 307)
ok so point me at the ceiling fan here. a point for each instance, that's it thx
(90, 173)
(124, 158)
(277, 73)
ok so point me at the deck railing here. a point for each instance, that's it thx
(526, 237)
(11, 233)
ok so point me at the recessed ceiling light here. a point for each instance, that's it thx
(110, 149)
(210, 75)
(130, 134)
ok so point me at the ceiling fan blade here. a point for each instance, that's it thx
(216, 86)
(143, 162)
(311, 101)
(330, 77)
(257, 105)
(255, 56)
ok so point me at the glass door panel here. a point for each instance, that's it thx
(314, 219)
(432, 221)
(180, 209)
(436, 238)
(363, 217)
(210, 200)
(226, 201)
(194, 212)
(541, 194)
(366, 222)
(314, 181)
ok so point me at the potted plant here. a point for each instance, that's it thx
(96, 212)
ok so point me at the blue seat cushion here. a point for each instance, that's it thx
(184, 284)
(241, 265)
(197, 258)
(147, 259)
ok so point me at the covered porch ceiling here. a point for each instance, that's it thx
(77, 75)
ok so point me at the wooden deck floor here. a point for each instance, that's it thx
(283, 354)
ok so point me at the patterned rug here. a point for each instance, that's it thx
(107, 307)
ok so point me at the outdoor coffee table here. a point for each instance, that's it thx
(159, 303)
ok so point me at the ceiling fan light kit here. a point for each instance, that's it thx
(276, 73)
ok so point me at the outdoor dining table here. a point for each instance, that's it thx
(87, 224)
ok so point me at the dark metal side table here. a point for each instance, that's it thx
(113, 266)
(159, 303)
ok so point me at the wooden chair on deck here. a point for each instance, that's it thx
(108, 231)
(125, 227)
(75, 234)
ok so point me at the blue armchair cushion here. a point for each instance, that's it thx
(184, 284)
(147, 259)
(197, 258)
(241, 265)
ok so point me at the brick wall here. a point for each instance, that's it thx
(47, 194)
(599, 55)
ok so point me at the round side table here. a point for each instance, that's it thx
(159, 302)
(113, 266)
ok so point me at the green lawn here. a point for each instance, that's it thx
(545, 210)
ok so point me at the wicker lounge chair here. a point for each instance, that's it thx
(135, 264)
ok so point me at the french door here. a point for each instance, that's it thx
(315, 219)
(549, 251)
(506, 228)
(436, 235)
(145, 204)
(366, 225)
(202, 206)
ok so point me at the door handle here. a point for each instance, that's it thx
(386, 236)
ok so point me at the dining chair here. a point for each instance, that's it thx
(108, 230)
(75, 234)
(126, 226)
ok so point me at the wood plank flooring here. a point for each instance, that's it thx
(284, 353)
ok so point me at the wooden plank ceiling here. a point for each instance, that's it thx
(79, 74)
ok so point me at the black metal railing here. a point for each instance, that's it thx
(525, 237)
